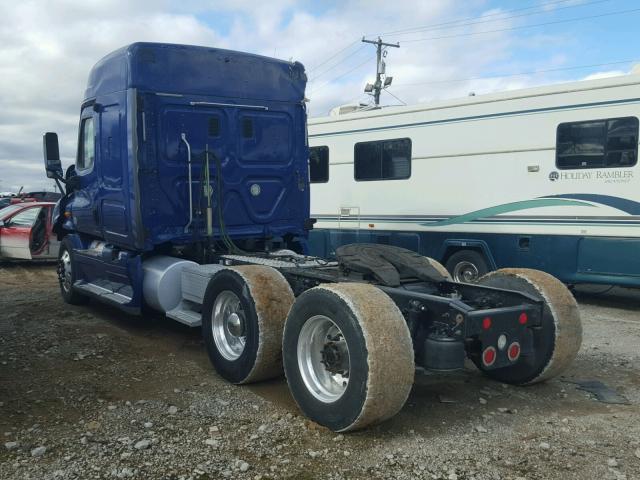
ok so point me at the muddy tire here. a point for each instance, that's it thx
(348, 356)
(67, 275)
(440, 268)
(243, 317)
(556, 342)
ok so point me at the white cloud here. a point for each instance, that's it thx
(48, 48)
(46, 54)
(607, 74)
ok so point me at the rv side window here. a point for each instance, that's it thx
(597, 143)
(86, 148)
(622, 142)
(319, 164)
(382, 160)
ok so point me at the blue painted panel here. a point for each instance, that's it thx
(609, 256)
(114, 220)
(111, 162)
(137, 194)
(265, 185)
(188, 69)
(270, 142)
(572, 259)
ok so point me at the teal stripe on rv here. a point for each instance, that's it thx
(491, 215)
(509, 207)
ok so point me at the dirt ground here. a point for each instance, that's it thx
(88, 392)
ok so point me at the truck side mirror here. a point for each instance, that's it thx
(52, 163)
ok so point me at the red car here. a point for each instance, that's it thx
(25, 231)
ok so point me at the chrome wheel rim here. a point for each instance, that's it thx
(228, 325)
(323, 358)
(65, 274)
(465, 272)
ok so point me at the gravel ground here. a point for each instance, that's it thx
(88, 392)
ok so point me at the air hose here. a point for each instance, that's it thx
(224, 236)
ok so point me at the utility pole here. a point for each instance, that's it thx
(380, 69)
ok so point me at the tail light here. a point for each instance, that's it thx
(489, 356)
(486, 323)
(513, 352)
(523, 318)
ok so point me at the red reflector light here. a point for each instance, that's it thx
(486, 323)
(523, 318)
(514, 351)
(489, 356)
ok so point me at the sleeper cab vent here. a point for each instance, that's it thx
(214, 127)
(247, 128)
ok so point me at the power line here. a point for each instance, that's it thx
(424, 27)
(532, 72)
(340, 76)
(400, 100)
(476, 17)
(568, 20)
(482, 21)
(482, 18)
(336, 64)
(333, 56)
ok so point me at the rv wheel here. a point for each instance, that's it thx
(467, 266)
(348, 356)
(556, 342)
(243, 316)
(66, 274)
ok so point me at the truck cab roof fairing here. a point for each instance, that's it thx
(187, 69)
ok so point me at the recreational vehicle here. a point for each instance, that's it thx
(543, 178)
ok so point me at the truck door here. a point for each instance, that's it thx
(84, 205)
(113, 182)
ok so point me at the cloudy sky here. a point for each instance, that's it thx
(448, 49)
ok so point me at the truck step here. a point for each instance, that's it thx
(105, 292)
(183, 313)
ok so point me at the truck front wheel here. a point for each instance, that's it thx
(556, 342)
(66, 274)
(348, 355)
(243, 317)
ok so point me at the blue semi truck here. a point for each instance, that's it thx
(190, 196)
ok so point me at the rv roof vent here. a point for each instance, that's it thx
(344, 109)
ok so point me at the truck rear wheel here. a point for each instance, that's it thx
(243, 316)
(66, 274)
(556, 342)
(348, 355)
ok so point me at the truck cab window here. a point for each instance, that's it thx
(319, 164)
(87, 150)
(597, 143)
(382, 160)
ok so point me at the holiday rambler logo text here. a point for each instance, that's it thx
(608, 176)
